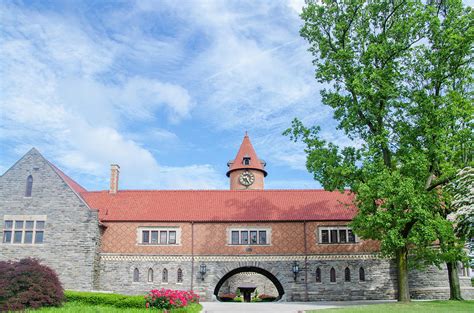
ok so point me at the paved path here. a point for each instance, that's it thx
(277, 307)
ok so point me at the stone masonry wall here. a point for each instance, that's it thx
(71, 235)
(380, 276)
(263, 284)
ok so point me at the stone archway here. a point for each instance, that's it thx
(253, 269)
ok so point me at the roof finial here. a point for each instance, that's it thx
(246, 135)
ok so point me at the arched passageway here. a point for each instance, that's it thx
(253, 269)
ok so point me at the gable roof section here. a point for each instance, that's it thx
(222, 205)
(68, 180)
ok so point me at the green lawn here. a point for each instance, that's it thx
(417, 306)
(74, 307)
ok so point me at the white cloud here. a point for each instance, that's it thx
(53, 98)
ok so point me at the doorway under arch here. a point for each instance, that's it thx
(253, 269)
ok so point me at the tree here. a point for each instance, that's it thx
(400, 76)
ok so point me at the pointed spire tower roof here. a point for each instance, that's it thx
(246, 151)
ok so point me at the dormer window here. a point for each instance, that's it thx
(29, 186)
(246, 160)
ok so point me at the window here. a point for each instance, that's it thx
(28, 231)
(246, 161)
(332, 275)
(336, 235)
(249, 236)
(318, 275)
(29, 186)
(347, 274)
(179, 276)
(158, 235)
(150, 275)
(361, 274)
(235, 237)
(136, 275)
(164, 276)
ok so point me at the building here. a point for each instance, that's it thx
(130, 241)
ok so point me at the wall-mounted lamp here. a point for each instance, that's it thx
(202, 271)
(296, 269)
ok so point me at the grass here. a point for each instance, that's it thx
(416, 306)
(74, 307)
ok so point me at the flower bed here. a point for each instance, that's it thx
(169, 299)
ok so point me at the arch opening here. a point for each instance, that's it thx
(250, 269)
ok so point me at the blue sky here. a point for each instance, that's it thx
(166, 89)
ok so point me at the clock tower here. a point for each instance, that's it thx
(246, 171)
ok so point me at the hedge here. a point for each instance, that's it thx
(111, 299)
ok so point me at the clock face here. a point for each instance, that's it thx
(246, 178)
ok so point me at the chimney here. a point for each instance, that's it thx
(114, 178)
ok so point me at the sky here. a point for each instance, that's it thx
(165, 89)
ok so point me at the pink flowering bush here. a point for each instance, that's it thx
(168, 298)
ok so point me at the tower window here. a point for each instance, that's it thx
(29, 186)
(246, 160)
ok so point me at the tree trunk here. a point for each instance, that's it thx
(402, 267)
(454, 287)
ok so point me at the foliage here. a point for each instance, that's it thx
(227, 297)
(28, 284)
(110, 299)
(266, 298)
(168, 298)
(400, 84)
(239, 299)
(73, 307)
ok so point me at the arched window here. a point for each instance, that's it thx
(347, 274)
(150, 275)
(318, 275)
(136, 275)
(179, 276)
(29, 186)
(361, 274)
(164, 276)
(332, 275)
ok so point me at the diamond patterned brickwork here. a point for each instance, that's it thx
(314, 247)
(123, 238)
(286, 238)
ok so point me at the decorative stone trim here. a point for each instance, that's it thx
(237, 258)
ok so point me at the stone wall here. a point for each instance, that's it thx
(263, 284)
(71, 234)
(380, 276)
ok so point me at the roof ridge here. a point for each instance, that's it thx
(215, 190)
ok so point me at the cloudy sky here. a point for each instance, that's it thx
(166, 89)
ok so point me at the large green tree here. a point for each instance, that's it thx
(400, 77)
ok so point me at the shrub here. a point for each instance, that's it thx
(97, 298)
(28, 284)
(168, 298)
(238, 299)
(226, 297)
(266, 298)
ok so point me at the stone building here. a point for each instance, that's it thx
(131, 241)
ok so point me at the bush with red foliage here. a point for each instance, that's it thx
(227, 297)
(28, 284)
(266, 298)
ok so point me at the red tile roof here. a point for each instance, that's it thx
(246, 150)
(221, 205)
